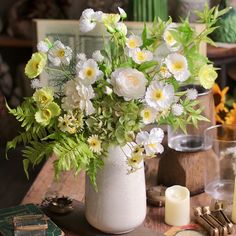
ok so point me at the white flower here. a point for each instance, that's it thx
(170, 41)
(159, 95)
(191, 94)
(77, 96)
(59, 54)
(89, 19)
(97, 56)
(152, 141)
(128, 83)
(165, 72)
(94, 143)
(81, 57)
(178, 66)
(42, 46)
(108, 90)
(123, 14)
(36, 83)
(121, 27)
(149, 115)
(177, 109)
(88, 72)
(140, 56)
(133, 41)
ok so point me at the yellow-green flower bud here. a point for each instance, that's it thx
(35, 65)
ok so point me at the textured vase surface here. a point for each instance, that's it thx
(119, 206)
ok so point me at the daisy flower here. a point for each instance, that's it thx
(140, 56)
(149, 115)
(191, 94)
(133, 41)
(94, 143)
(178, 66)
(177, 109)
(59, 54)
(88, 72)
(159, 95)
(151, 141)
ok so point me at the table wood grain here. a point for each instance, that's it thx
(73, 186)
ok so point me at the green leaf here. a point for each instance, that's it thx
(147, 65)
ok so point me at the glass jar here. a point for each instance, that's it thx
(220, 168)
(193, 141)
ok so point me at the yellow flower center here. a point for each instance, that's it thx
(141, 56)
(47, 113)
(133, 80)
(152, 145)
(163, 69)
(169, 38)
(147, 114)
(178, 66)
(157, 95)
(132, 43)
(89, 72)
(61, 53)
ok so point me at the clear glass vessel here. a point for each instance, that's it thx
(193, 141)
(220, 172)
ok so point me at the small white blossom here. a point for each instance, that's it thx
(35, 84)
(121, 27)
(159, 95)
(148, 115)
(108, 90)
(42, 46)
(191, 94)
(81, 57)
(59, 54)
(141, 56)
(128, 83)
(177, 109)
(122, 12)
(133, 41)
(97, 56)
(88, 72)
(151, 141)
(170, 41)
(165, 72)
(177, 64)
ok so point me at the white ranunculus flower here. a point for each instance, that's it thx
(121, 27)
(133, 41)
(78, 96)
(149, 115)
(59, 54)
(141, 56)
(159, 95)
(88, 71)
(97, 56)
(151, 141)
(128, 83)
(177, 64)
(42, 46)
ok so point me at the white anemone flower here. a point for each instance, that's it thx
(192, 94)
(59, 54)
(149, 115)
(151, 141)
(121, 27)
(133, 41)
(78, 96)
(169, 39)
(141, 56)
(88, 72)
(97, 56)
(128, 83)
(177, 109)
(177, 64)
(159, 95)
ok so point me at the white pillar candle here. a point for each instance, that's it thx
(234, 204)
(177, 206)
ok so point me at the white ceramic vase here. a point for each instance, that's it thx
(119, 206)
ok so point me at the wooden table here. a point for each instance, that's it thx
(72, 186)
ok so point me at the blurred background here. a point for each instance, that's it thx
(17, 42)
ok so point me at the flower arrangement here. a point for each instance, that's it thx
(88, 104)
